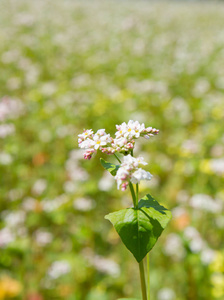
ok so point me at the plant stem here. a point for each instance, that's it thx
(117, 158)
(148, 277)
(133, 195)
(142, 276)
(137, 192)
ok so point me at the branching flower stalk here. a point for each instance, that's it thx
(139, 226)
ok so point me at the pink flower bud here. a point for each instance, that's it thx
(124, 186)
(130, 146)
(88, 154)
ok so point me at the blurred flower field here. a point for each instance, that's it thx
(68, 65)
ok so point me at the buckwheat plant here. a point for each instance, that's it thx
(139, 226)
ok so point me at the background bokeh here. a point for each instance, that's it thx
(70, 65)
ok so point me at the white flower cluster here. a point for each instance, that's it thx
(130, 171)
(123, 142)
(92, 142)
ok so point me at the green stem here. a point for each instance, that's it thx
(133, 195)
(148, 277)
(137, 192)
(117, 158)
(142, 276)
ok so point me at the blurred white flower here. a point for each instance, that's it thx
(191, 146)
(84, 204)
(65, 130)
(29, 204)
(10, 108)
(6, 130)
(207, 256)
(39, 187)
(24, 19)
(178, 211)
(106, 182)
(102, 264)
(69, 187)
(76, 155)
(191, 233)
(174, 247)
(5, 158)
(196, 243)
(75, 172)
(78, 174)
(51, 205)
(217, 166)
(48, 88)
(15, 194)
(43, 237)
(217, 150)
(205, 202)
(106, 265)
(10, 56)
(59, 268)
(220, 222)
(182, 196)
(14, 219)
(45, 135)
(14, 83)
(166, 294)
(6, 237)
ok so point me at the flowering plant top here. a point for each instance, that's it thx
(124, 143)
(140, 226)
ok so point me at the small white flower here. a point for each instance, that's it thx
(121, 130)
(92, 142)
(134, 130)
(86, 134)
(87, 144)
(101, 132)
(129, 170)
(101, 140)
(139, 175)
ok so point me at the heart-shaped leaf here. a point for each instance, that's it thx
(139, 228)
(112, 168)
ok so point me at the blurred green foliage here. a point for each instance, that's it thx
(77, 65)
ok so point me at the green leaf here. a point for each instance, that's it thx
(139, 228)
(112, 168)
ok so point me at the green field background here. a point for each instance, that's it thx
(74, 65)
